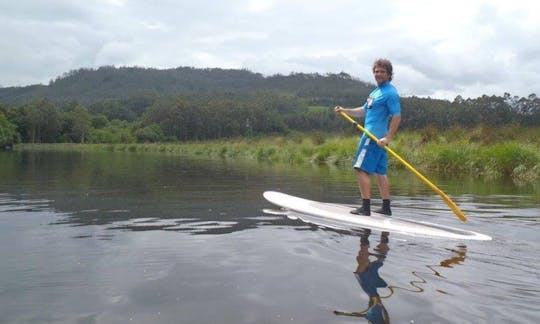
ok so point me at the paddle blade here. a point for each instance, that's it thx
(454, 208)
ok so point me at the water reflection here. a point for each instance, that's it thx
(421, 277)
(131, 192)
(367, 275)
(9, 203)
(369, 263)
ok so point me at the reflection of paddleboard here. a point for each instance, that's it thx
(340, 214)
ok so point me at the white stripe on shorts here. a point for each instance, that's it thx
(362, 154)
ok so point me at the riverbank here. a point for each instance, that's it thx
(480, 153)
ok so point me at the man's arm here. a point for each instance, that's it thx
(394, 125)
(392, 130)
(355, 112)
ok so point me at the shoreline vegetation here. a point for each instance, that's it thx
(488, 153)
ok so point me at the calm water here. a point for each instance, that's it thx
(128, 238)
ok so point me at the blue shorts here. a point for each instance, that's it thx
(370, 157)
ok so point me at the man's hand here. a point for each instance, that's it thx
(338, 109)
(382, 142)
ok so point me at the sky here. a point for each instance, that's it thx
(439, 49)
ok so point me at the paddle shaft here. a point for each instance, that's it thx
(446, 199)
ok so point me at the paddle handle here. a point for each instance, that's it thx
(444, 197)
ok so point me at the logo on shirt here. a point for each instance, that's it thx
(369, 102)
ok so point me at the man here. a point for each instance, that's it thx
(382, 117)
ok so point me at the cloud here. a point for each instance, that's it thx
(259, 6)
(470, 48)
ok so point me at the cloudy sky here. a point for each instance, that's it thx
(439, 49)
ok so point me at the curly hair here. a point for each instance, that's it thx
(385, 64)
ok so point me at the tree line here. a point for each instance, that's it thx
(186, 118)
(296, 104)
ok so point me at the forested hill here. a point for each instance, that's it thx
(130, 104)
(90, 85)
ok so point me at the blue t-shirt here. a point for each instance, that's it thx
(382, 103)
(370, 280)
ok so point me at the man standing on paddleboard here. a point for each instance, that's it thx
(382, 112)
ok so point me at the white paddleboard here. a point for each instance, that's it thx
(340, 214)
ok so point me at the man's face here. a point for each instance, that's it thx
(381, 75)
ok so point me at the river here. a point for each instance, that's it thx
(146, 238)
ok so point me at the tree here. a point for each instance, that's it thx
(8, 132)
(99, 121)
(81, 122)
(167, 114)
(39, 122)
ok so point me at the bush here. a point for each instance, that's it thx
(504, 158)
(149, 134)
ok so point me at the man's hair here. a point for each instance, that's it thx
(385, 64)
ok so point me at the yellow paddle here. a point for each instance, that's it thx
(446, 199)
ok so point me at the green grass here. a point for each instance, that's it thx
(482, 152)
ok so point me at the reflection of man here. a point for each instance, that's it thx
(367, 274)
